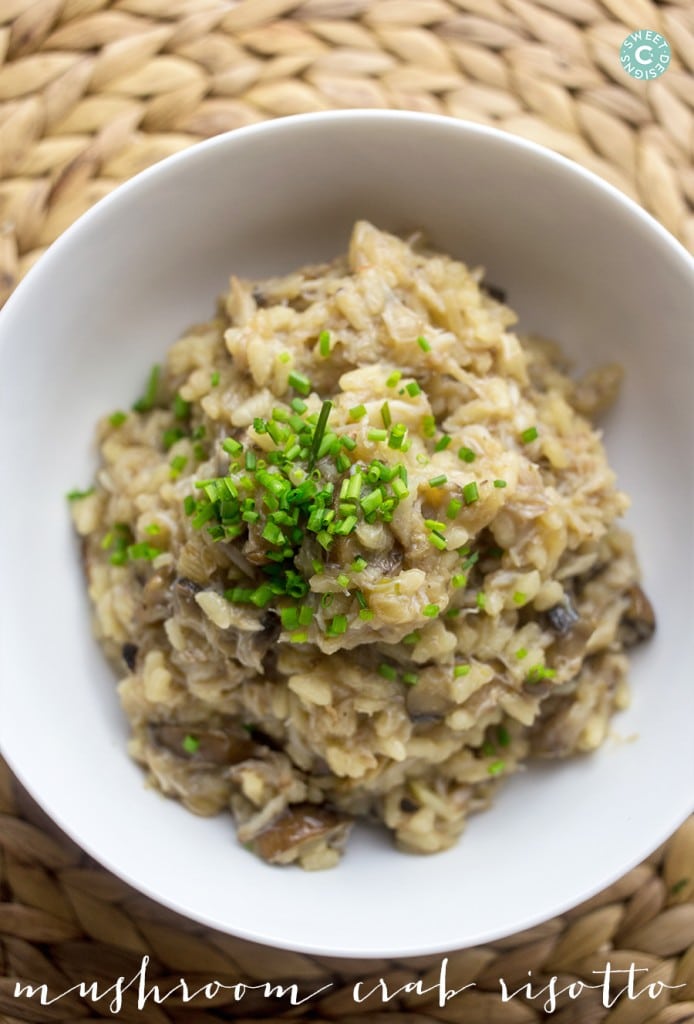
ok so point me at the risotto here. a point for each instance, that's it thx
(355, 553)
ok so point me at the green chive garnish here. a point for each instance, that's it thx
(116, 418)
(181, 408)
(461, 670)
(413, 389)
(324, 343)
(470, 493)
(466, 454)
(190, 744)
(423, 344)
(357, 412)
(529, 435)
(77, 495)
(430, 610)
(147, 401)
(299, 382)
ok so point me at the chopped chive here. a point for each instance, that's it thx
(144, 551)
(214, 379)
(481, 599)
(372, 501)
(519, 597)
(117, 418)
(500, 483)
(393, 379)
(466, 454)
(385, 416)
(289, 617)
(191, 744)
(343, 580)
(319, 431)
(459, 580)
(410, 678)
(442, 443)
(529, 435)
(171, 436)
(413, 389)
(438, 540)
(521, 653)
(300, 637)
(366, 614)
(387, 671)
(461, 670)
(284, 357)
(470, 493)
(299, 382)
(539, 672)
(503, 736)
(428, 426)
(147, 401)
(357, 412)
(412, 638)
(438, 481)
(231, 446)
(189, 504)
(298, 405)
(78, 495)
(423, 344)
(453, 613)
(338, 625)
(177, 465)
(453, 508)
(399, 489)
(305, 615)
(397, 436)
(430, 610)
(181, 408)
(324, 343)
(377, 434)
(496, 767)
(153, 529)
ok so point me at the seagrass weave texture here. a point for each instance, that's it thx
(92, 92)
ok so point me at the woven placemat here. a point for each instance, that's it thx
(92, 92)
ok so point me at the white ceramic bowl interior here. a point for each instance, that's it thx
(580, 263)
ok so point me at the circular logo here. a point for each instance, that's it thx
(645, 54)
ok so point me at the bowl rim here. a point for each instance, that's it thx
(122, 193)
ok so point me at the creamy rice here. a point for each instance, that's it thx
(425, 589)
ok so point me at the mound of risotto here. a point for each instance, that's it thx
(354, 553)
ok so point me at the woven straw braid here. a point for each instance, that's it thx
(64, 920)
(93, 92)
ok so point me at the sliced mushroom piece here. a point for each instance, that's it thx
(426, 701)
(562, 618)
(202, 746)
(297, 829)
(638, 621)
(129, 655)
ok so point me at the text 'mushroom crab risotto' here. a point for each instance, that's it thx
(355, 550)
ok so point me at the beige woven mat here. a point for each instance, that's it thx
(92, 92)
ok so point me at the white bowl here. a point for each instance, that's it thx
(580, 263)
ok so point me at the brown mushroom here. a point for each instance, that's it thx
(638, 621)
(427, 701)
(562, 618)
(202, 746)
(297, 829)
